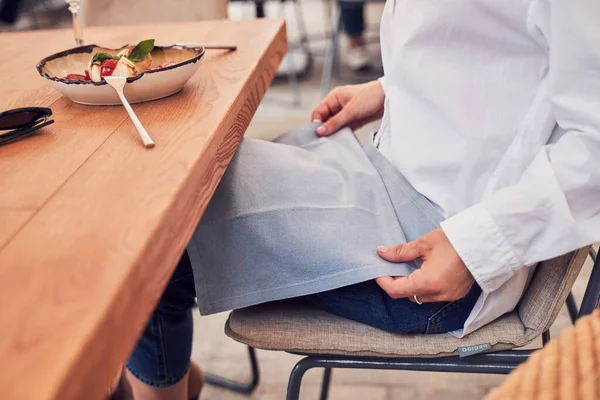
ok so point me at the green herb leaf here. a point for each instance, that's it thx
(141, 51)
(101, 57)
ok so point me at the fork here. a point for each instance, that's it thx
(118, 83)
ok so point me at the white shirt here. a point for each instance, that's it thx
(492, 111)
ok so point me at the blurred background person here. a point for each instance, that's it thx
(8, 11)
(353, 17)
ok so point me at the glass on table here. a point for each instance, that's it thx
(74, 7)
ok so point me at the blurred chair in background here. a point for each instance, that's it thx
(119, 12)
(51, 14)
(298, 62)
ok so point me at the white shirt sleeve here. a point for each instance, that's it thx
(555, 206)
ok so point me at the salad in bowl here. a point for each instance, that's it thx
(152, 72)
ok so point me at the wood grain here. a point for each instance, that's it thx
(12, 219)
(105, 219)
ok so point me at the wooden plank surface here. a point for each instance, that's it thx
(91, 223)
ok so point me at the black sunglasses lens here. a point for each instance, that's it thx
(19, 119)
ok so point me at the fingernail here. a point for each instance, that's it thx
(321, 130)
(383, 249)
(318, 121)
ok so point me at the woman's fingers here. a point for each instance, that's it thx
(398, 287)
(330, 106)
(407, 287)
(352, 105)
(335, 123)
(403, 252)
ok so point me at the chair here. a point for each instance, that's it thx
(328, 341)
(299, 58)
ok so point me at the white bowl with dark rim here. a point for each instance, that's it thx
(150, 85)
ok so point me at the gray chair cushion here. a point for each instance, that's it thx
(549, 289)
(303, 329)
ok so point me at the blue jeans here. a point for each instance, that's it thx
(353, 18)
(162, 355)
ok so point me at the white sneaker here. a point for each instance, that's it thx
(358, 58)
(295, 60)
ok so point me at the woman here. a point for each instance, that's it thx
(487, 162)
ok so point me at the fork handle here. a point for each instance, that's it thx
(146, 139)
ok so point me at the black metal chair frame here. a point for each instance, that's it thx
(502, 362)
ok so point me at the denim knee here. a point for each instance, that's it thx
(162, 355)
(180, 293)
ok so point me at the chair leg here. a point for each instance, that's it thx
(545, 337)
(329, 62)
(245, 388)
(301, 24)
(304, 41)
(326, 383)
(292, 75)
(293, 82)
(572, 307)
(592, 292)
(293, 390)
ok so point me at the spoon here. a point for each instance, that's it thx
(118, 83)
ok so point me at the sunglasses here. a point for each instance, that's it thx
(22, 122)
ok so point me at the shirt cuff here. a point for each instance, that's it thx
(482, 247)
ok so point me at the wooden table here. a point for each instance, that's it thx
(91, 223)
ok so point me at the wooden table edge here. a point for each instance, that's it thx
(75, 383)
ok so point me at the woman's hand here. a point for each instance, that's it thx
(442, 277)
(353, 106)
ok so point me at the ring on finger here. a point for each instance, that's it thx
(416, 299)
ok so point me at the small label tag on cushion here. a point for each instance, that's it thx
(465, 351)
